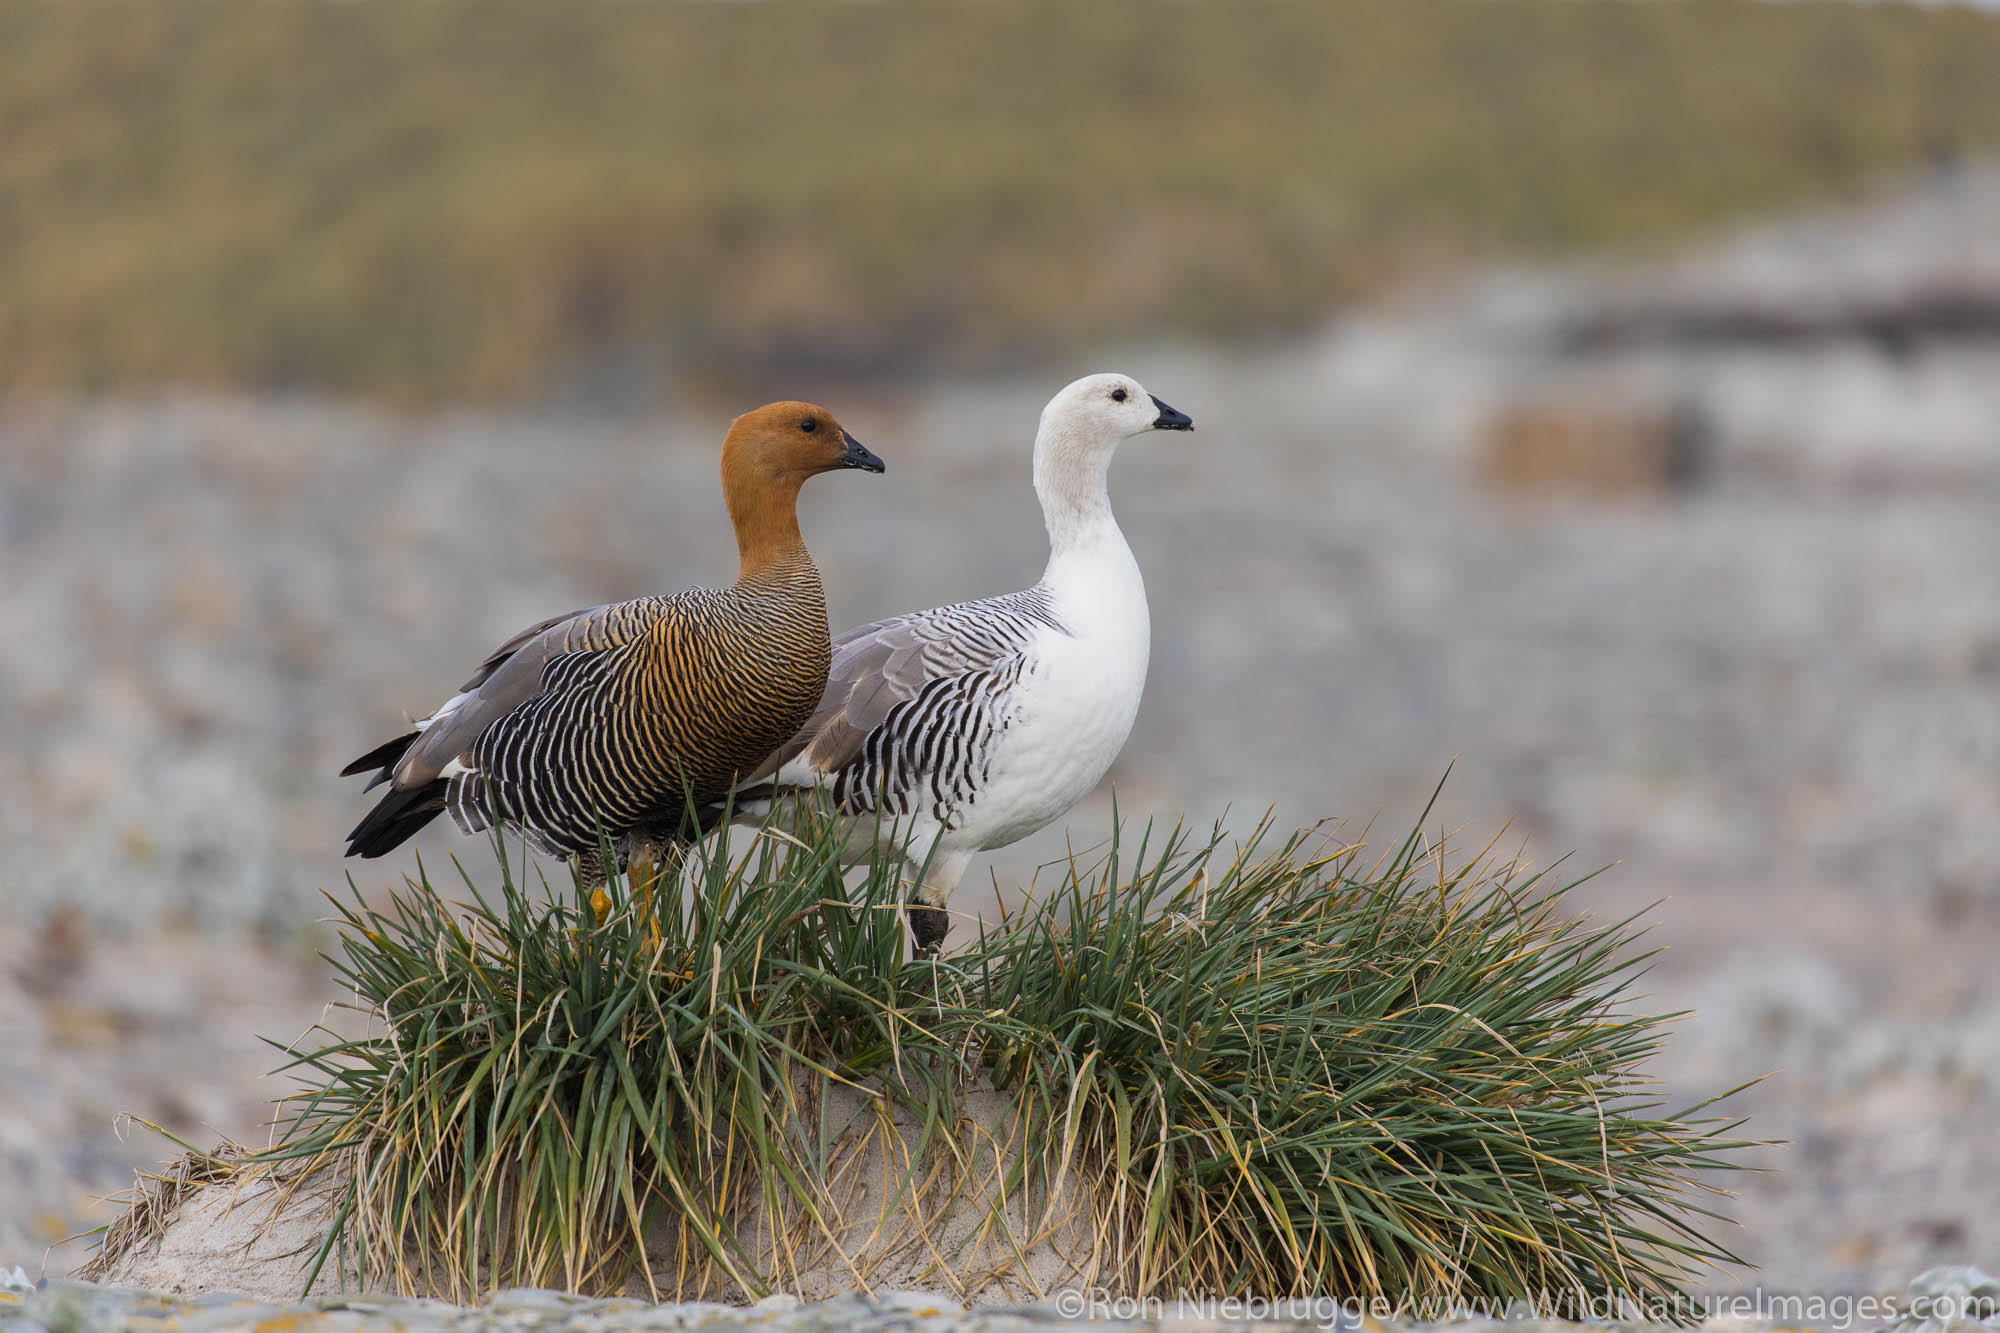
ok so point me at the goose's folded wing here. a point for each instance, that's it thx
(514, 674)
(879, 666)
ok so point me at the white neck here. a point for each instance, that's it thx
(1071, 475)
(1092, 575)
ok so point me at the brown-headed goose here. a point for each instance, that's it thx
(601, 723)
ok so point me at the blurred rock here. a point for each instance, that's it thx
(1593, 444)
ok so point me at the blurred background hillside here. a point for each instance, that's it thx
(440, 201)
(1605, 396)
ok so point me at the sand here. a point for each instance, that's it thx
(956, 1233)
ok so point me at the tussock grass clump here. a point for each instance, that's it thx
(1273, 1069)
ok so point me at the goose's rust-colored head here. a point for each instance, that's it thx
(790, 440)
(766, 457)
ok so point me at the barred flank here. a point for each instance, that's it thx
(709, 682)
(695, 690)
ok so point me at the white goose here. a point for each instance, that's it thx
(970, 726)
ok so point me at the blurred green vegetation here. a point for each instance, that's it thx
(458, 199)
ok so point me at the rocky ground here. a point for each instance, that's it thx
(1759, 667)
(1941, 1300)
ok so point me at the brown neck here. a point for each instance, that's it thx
(766, 516)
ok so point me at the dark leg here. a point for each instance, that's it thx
(929, 922)
(928, 926)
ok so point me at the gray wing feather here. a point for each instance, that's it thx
(511, 675)
(862, 684)
(887, 663)
(499, 656)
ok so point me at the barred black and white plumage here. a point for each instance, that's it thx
(973, 725)
(690, 692)
(942, 684)
(605, 722)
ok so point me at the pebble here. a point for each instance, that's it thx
(1952, 1299)
(64, 1305)
(69, 1306)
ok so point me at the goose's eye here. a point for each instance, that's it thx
(809, 425)
(1117, 395)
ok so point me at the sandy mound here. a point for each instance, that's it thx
(946, 1221)
(212, 1225)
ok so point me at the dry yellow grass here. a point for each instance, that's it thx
(454, 199)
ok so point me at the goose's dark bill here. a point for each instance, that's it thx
(1169, 418)
(853, 455)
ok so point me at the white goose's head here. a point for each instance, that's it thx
(1081, 428)
(1104, 409)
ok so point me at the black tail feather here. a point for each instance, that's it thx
(382, 756)
(396, 817)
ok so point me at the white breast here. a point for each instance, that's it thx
(1073, 710)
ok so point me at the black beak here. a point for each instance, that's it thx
(853, 455)
(1170, 419)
